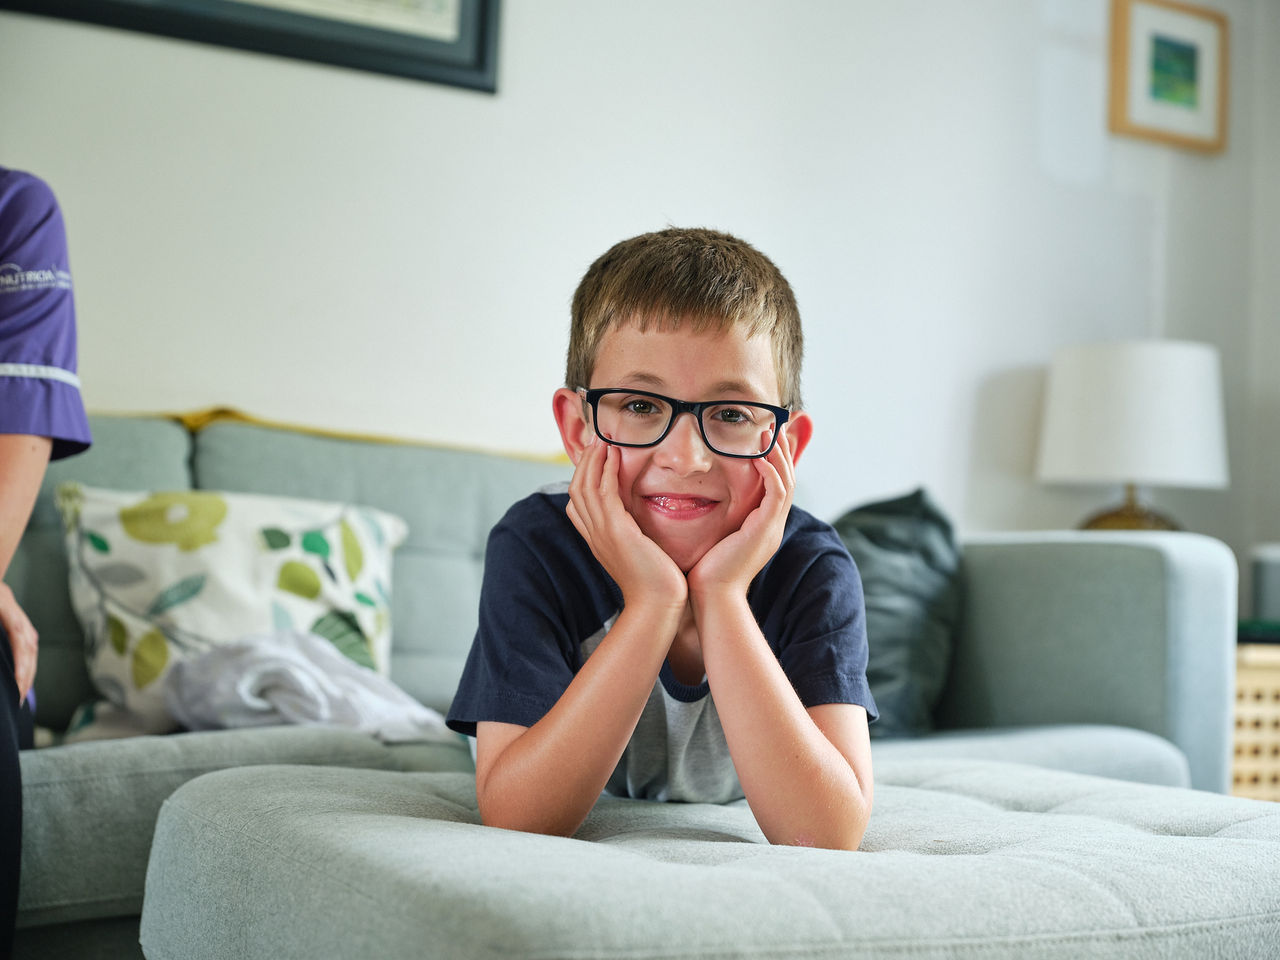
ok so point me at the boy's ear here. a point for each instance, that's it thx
(799, 429)
(575, 431)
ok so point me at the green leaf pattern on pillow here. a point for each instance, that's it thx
(180, 592)
(298, 578)
(189, 519)
(158, 577)
(275, 539)
(343, 631)
(150, 657)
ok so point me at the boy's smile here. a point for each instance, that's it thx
(682, 495)
(683, 508)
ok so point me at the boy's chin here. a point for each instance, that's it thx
(687, 565)
(685, 556)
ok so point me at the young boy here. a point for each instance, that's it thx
(670, 627)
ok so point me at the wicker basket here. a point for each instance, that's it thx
(1256, 771)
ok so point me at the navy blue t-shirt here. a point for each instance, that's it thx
(546, 601)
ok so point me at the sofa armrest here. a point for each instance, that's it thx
(1128, 628)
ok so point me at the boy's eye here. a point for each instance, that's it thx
(641, 407)
(731, 416)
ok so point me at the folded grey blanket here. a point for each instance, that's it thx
(294, 677)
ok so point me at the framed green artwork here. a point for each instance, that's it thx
(1169, 65)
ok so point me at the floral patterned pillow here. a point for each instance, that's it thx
(158, 577)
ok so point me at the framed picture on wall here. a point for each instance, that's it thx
(445, 41)
(1169, 73)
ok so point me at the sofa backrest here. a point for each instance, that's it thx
(449, 498)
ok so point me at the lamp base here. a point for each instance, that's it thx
(1129, 516)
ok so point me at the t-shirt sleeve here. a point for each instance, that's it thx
(39, 385)
(521, 660)
(821, 632)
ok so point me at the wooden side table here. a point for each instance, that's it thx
(1256, 769)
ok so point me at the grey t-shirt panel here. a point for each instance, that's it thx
(678, 750)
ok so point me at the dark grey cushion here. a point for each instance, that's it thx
(910, 564)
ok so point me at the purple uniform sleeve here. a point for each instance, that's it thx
(39, 387)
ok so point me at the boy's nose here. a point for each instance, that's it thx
(683, 449)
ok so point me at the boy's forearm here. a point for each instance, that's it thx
(801, 788)
(549, 777)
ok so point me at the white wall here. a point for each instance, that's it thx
(351, 250)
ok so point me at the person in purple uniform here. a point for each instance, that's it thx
(41, 418)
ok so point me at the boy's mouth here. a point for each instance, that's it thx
(683, 507)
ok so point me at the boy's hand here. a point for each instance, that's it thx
(732, 563)
(640, 567)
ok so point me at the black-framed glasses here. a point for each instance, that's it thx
(732, 428)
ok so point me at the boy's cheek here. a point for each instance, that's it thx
(628, 470)
(749, 481)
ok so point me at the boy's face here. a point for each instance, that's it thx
(682, 496)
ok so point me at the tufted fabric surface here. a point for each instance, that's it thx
(962, 859)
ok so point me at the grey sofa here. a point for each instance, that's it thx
(1106, 657)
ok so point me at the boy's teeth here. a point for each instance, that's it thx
(680, 503)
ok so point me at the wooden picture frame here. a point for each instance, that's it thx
(1169, 68)
(444, 41)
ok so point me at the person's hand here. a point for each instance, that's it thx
(22, 637)
(732, 563)
(640, 567)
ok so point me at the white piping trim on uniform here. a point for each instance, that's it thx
(35, 371)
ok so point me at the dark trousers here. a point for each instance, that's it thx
(15, 733)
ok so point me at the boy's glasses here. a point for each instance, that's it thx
(731, 428)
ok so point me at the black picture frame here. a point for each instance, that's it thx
(469, 61)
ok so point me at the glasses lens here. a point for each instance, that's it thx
(739, 429)
(631, 417)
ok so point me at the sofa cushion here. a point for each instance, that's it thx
(979, 859)
(129, 453)
(449, 498)
(1099, 749)
(910, 565)
(161, 577)
(90, 809)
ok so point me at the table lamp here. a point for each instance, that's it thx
(1142, 412)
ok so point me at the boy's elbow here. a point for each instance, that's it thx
(839, 839)
(842, 832)
(507, 817)
(525, 826)
(849, 838)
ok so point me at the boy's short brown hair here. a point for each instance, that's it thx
(708, 279)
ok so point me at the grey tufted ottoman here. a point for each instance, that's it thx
(962, 859)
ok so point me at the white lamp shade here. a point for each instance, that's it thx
(1144, 412)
